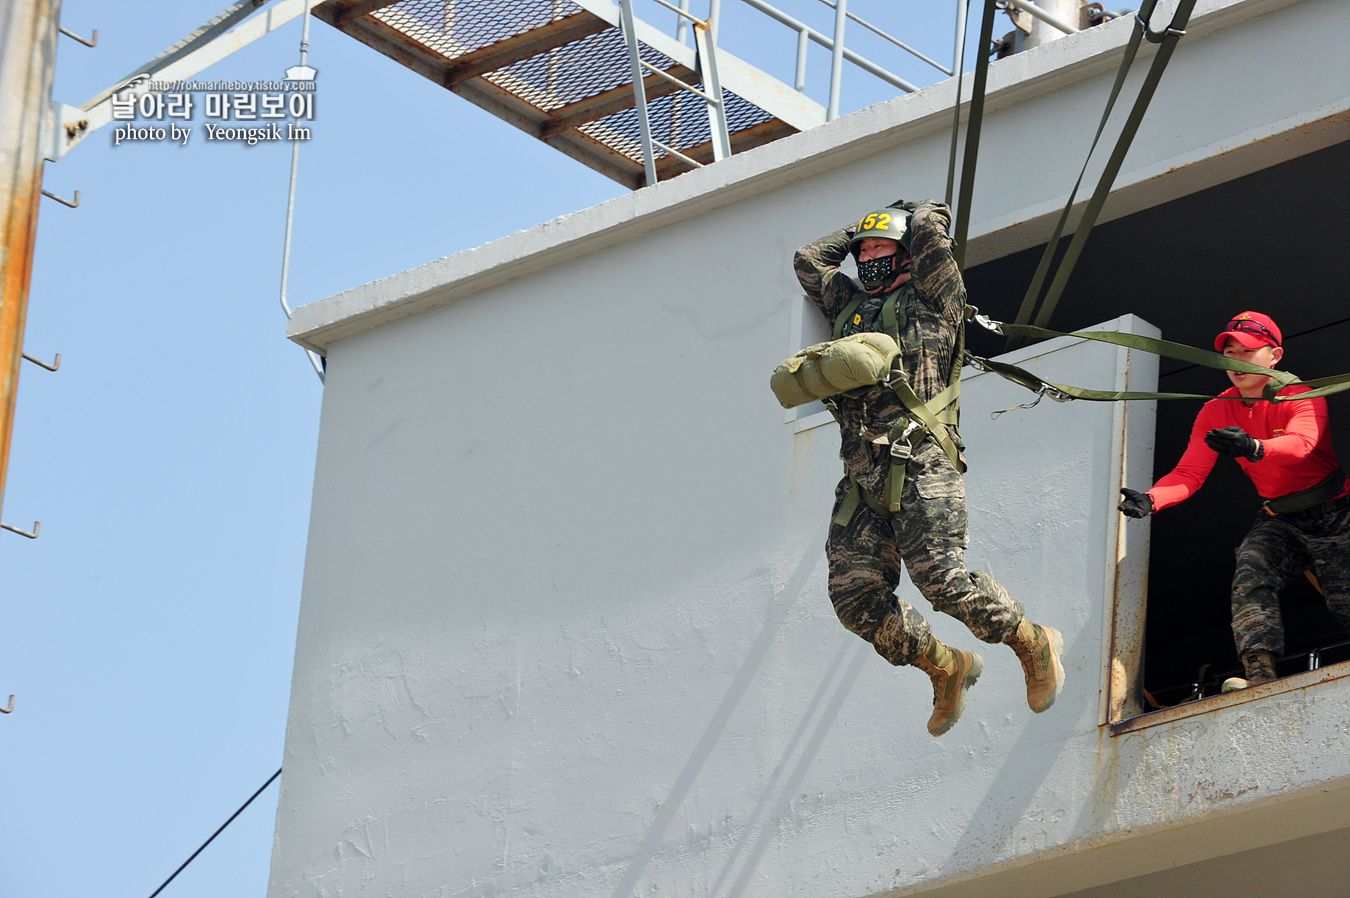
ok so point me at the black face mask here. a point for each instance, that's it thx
(877, 273)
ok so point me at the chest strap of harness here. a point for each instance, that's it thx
(894, 315)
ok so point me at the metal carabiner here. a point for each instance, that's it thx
(978, 363)
(989, 324)
(1044, 390)
(1040, 394)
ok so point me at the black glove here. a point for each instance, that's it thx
(1236, 442)
(902, 204)
(1135, 504)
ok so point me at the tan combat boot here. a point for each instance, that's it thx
(952, 672)
(1259, 667)
(1041, 650)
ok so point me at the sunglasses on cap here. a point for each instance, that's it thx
(1252, 327)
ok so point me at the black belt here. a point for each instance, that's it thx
(1304, 499)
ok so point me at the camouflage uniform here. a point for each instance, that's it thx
(928, 534)
(1278, 549)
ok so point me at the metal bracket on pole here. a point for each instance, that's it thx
(12, 529)
(41, 364)
(62, 200)
(92, 42)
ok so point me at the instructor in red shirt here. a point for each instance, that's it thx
(1304, 520)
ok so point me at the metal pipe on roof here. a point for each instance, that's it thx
(290, 200)
(1046, 17)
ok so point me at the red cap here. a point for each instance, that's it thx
(1252, 329)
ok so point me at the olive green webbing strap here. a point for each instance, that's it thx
(1167, 39)
(973, 132)
(1065, 392)
(956, 115)
(953, 410)
(857, 494)
(1319, 387)
(1278, 379)
(1043, 269)
(894, 314)
(932, 417)
(844, 317)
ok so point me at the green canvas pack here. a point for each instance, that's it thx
(828, 369)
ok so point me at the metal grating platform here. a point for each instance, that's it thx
(560, 71)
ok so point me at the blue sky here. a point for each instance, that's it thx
(148, 633)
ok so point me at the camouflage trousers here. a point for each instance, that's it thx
(927, 536)
(1278, 549)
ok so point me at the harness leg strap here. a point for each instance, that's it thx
(857, 495)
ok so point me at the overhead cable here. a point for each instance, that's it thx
(217, 832)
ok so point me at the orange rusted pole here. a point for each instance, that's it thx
(27, 64)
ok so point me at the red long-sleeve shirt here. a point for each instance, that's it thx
(1296, 437)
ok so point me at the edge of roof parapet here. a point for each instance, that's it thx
(846, 139)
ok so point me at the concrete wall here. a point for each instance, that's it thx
(564, 628)
(567, 636)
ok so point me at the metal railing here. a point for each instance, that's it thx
(707, 41)
(706, 38)
(839, 52)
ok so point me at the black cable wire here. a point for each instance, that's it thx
(218, 832)
(1311, 330)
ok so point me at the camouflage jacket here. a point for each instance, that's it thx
(933, 301)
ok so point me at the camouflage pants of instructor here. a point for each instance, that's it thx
(928, 536)
(1279, 549)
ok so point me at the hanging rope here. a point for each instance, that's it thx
(973, 133)
(958, 63)
(1168, 39)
